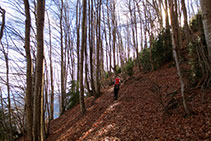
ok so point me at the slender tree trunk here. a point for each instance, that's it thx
(39, 68)
(176, 44)
(51, 74)
(109, 33)
(29, 99)
(187, 30)
(42, 117)
(91, 42)
(167, 15)
(2, 11)
(78, 15)
(87, 71)
(98, 49)
(46, 104)
(62, 105)
(206, 17)
(128, 41)
(114, 34)
(83, 44)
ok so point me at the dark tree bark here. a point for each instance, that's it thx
(29, 96)
(2, 11)
(62, 104)
(51, 74)
(114, 34)
(187, 29)
(91, 44)
(78, 21)
(39, 70)
(83, 44)
(206, 17)
(98, 49)
(176, 44)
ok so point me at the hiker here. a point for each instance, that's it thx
(116, 87)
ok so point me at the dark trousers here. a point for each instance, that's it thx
(116, 89)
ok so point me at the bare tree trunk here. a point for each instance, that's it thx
(51, 74)
(46, 105)
(87, 71)
(98, 50)
(114, 34)
(83, 44)
(167, 14)
(3, 110)
(78, 20)
(141, 24)
(39, 68)
(187, 30)
(42, 115)
(62, 105)
(176, 44)
(206, 16)
(2, 11)
(91, 41)
(128, 42)
(29, 99)
(136, 38)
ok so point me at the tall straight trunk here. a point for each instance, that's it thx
(167, 15)
(42, 119)
(91, 38)
(141, 25)
(87, 71)
(46, 105)
(206, 17)
(39, 68)
(106, 39)
(176, 44)
(151, 40)
(29, 99)
(78, 21)
(51, 74)
(145, 28)
(83, 44)
(98, 50)
(62, 107)
(136, 42)
(109, 33)
(128, 41)
(187, 30)
(114, 34)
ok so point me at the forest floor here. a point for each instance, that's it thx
(138, 114)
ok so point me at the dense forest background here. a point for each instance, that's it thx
(62, 51)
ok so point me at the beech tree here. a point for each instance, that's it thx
(28, 101)
(83, 44)
(176, 45)
(98, 36)
(39, 70)
(206, 17)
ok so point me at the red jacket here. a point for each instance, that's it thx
(117, 81)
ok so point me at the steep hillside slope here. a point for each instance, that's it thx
(138, 114)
